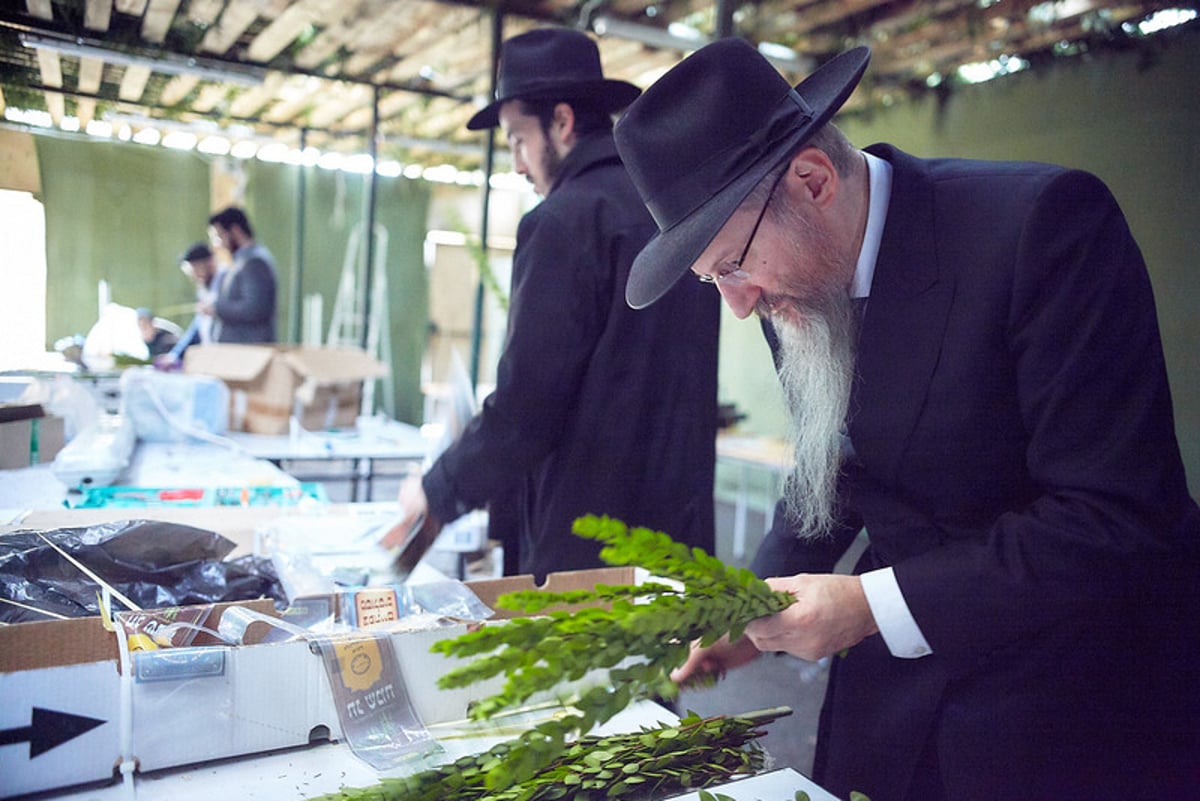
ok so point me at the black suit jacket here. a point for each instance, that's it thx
(1017, 467)
(598, 408)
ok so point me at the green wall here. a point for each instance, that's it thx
(125, 212)
(1133, 118)
(118, 212)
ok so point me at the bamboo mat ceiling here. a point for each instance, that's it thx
(330, 66)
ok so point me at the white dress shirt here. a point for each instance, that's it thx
(900, 631)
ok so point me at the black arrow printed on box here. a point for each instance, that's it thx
(48, 729)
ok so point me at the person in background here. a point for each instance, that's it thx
(597, 409)
(971, 358)
(159, 341)
(199, 264)
(244, 306)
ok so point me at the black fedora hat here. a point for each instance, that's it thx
(697, 141)
(553, 64)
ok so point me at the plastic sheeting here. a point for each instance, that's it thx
(153, 564)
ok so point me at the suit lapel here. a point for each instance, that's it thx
(902, 332)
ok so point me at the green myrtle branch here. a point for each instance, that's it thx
(638, 634)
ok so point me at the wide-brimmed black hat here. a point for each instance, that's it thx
(553, 64)
(702, 136)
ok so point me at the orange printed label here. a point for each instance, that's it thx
(360, 663)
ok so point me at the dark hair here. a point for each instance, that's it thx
(197, 252)
(588, 117)
(229, 217)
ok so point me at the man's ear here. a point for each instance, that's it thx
(562, 128)
(813, 176)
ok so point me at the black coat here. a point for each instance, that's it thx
(598, 409)
(1017, 466)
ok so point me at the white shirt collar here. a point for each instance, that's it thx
(879, 174)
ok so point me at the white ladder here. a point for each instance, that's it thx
(347, 324)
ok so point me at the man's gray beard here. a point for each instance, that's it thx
(816, 371)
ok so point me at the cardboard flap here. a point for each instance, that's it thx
(489, 590)
(334, 365)
(228, 362)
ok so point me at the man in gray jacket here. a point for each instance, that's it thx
(244, 308)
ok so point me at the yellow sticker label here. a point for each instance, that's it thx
(360, 663)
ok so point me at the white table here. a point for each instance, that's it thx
(363, 447)
(152, 464)
(325, 768)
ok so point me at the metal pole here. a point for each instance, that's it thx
(724, 21)
(489, 163)
(369, 226)
(298, 247)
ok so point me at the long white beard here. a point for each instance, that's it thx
(817, 339)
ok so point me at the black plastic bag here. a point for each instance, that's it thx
(152, 563)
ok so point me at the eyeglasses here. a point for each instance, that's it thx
(732, 273)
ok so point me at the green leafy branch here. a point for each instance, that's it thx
(653, 762)
(637, 634)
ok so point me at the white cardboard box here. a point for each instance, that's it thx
(191, 705)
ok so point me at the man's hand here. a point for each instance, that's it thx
(715, 660)
(831, 614)
(413, 507)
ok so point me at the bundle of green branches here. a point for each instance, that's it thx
(636, 635)
(654, 762)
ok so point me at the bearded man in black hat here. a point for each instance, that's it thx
(597, 409)
(970, 355)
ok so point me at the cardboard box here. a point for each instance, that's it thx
(34, 440)
(270, 383)
(65, 716)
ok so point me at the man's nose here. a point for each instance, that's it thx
(741, 297)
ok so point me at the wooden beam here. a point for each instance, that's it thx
(232, 24)
(177, 89)
(133, 83)
(251, 100)
(211, 96)
(288, 26)
(355, 17)
(97, 15)
(204, 12)
(91, 70)
(85, 111)
(50, 67)
(157, 20)
(42, 9)
(56, 104)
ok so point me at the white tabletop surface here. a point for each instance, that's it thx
(310, 772)
(373, 439)
(153, 464)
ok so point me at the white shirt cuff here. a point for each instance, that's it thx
(900, 631)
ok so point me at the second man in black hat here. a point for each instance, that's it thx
(597, 409)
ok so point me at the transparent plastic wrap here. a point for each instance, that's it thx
(154, 564)
(174, 407)
(97, 455)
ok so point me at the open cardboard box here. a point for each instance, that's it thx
(270, 383)
(29, 438)
(65, 717)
